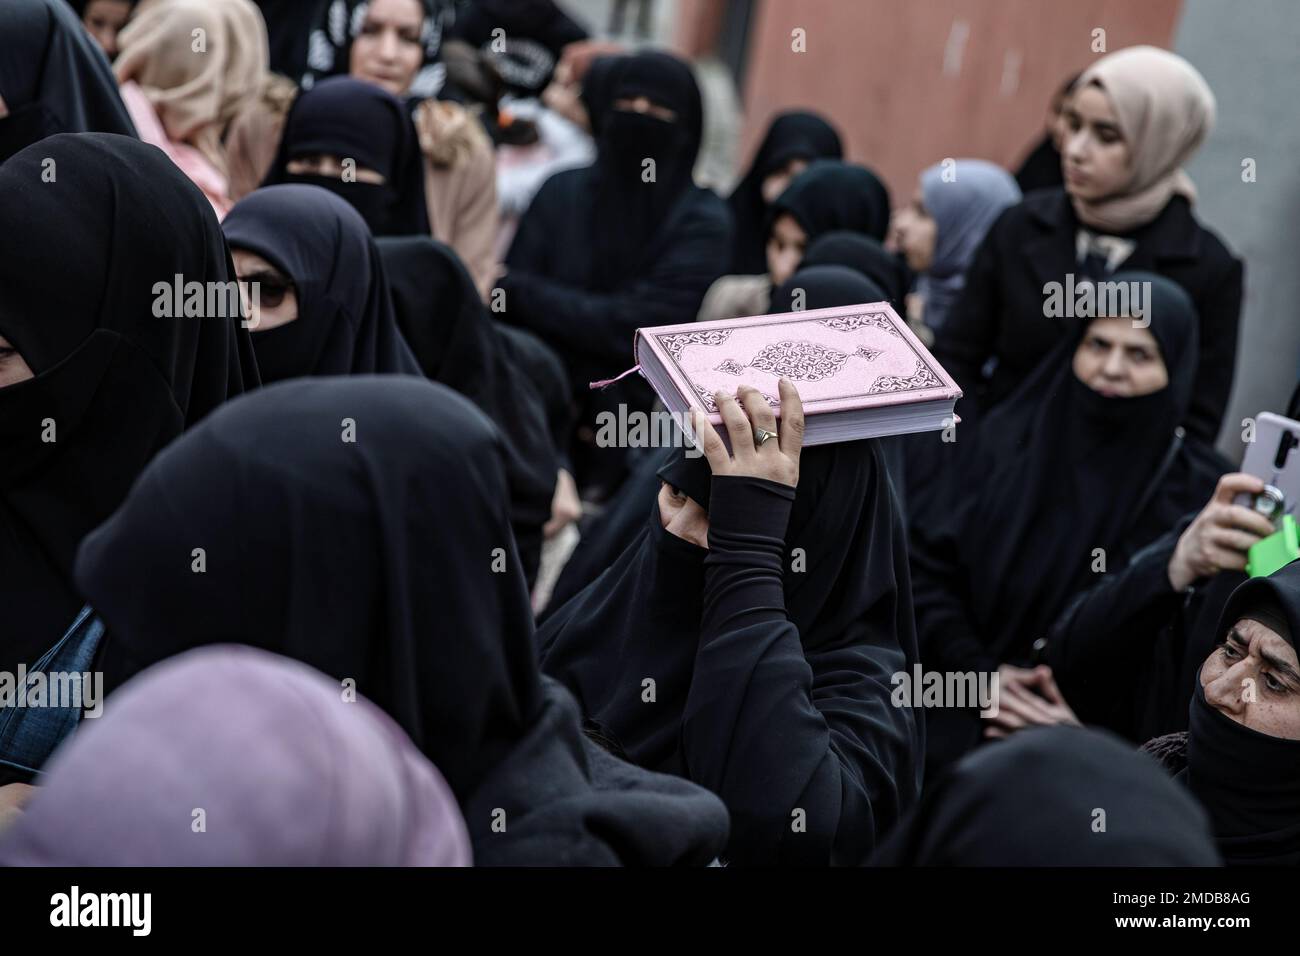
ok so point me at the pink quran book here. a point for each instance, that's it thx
(860, 371)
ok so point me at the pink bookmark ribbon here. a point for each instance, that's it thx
(606, 382)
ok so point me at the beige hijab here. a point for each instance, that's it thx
(1165, 110)
(198, 83)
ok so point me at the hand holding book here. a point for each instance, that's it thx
(776, 459)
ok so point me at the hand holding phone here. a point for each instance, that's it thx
(1219, 537)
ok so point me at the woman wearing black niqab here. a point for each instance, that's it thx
(345, 322)
(386, 561)
(1033, 801)
(1248, 779)
(602, 251)
(1057, 471)
(53, 77)
(784, 709)
(457, 343)
(796, 135)
(343, 118)
(117, 375)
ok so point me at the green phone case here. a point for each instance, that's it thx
(1277, 550)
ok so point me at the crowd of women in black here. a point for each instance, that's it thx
(320, 548)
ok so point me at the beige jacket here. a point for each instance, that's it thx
(254, 136)
(735, 297)
(460, 186)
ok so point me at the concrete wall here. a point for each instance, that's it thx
(1250, 54)
(912, 82)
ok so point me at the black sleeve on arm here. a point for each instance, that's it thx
(530, 248)
(949, 640)
(1098, 645)
(602, 324)
(798, 745)
(743, 572)
(1220, 316)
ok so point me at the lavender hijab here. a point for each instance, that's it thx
(964, 204)
(286, 771)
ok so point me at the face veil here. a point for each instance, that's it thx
(117, 374)
(53, 77)
(345, 322)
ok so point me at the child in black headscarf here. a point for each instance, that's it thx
(626, 243)
(793, 140)
(1081, 468)
(53, 78)
(384, 558)
(110, 372)
(826, 196)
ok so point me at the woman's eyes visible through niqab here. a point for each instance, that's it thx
(13, 368)
(643, 104)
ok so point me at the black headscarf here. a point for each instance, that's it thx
(116, 379)
(1055, 471)
(288, 26)
(797, 134)
(1249, 781)
(351, 119)
(825, 287)
(863, 254)
(337, 23)
(545, 370)
(851, 606)
(386, 561)
(345, 321)
(831, 195)
(54, 78)
(456, 343)
(1033, 800)
(536, 31)
(627, 210)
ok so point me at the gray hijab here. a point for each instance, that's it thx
(964, 199)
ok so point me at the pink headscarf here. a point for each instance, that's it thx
(201, 63)
(280, 768)
(1165, 110)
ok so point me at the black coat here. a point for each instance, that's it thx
(1000, 313)
(550, 288)
(1126, 653)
